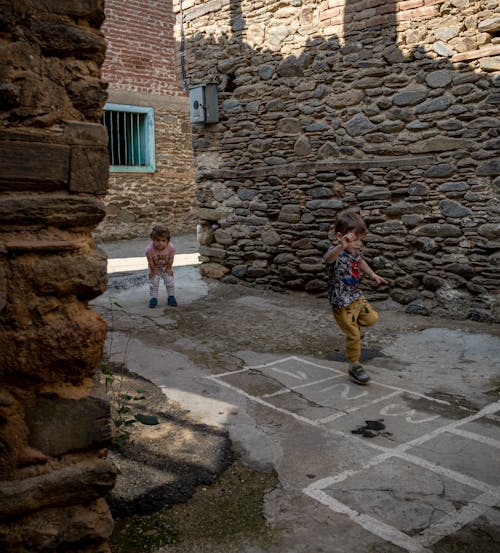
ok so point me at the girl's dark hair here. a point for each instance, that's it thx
(350, 221)
(160, 232)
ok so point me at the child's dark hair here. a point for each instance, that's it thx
(160, 232)
(350, 221)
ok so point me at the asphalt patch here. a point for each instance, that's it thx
(371, 429)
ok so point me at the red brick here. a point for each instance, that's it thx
(409, 4)
(364, 14)
(332, 12)
(425, 11)
(387, 8)
(140, 39)
(336, 3)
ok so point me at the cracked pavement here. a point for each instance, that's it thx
(267, 367)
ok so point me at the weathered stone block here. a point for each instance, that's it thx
(89, 170)
(56, 528)
(57, 37)
(59, 426)
(216, 253)
(90, 134)
(270, 237)
(439, 144)
(324, 204)
(409, 97)
(436, 230)
(207, 214)
(302, 146)
(449, 208)
(490, 230)
(374, 193)
(45, 166)
(70, 485)
(214, 270)
(436, 104)
(489, 168)
(289, 214)
(433, 282)
(239, 271)
(440, 170)
(439, 79)
(81, 275)
(61, 211)
(359, 125)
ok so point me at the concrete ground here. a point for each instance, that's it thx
(409, 463)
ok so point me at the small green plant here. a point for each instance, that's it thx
(115, 381)
(120, 400)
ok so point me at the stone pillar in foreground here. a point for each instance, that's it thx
(55, 423)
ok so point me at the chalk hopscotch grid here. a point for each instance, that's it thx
(451, 522)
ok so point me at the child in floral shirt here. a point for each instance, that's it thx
(350, 308)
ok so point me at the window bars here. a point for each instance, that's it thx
(131, 137)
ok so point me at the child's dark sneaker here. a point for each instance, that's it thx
(358, 374)
(172, 301)
(153, 302)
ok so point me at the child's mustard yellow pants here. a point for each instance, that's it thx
(349, 319)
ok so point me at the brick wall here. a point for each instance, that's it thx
(142, 55)
(142, 67)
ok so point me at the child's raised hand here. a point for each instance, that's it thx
(349, 237)
(378, 279)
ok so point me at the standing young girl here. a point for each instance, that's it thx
(160, 255)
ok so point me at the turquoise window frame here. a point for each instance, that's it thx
(144, 148)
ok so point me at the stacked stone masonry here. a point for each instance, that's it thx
(142, 68)
(55, 423)
(389, 108)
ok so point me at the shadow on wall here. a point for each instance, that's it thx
(356, 121)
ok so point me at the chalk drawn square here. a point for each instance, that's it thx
(405, 416)
(293, 371)
(472, 458)
(344, 395)
(484, 426)
(297, 404)
(402, 495)
(252, 382)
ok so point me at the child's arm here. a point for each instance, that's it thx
(332, 254)
(151, 264)
(371, 273)
(170, 262)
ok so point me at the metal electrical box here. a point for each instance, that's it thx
(204, 103)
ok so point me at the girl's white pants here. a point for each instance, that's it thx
(154, 284)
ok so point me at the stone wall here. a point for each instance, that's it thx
(390, 108)
(142, 68)
(55, 423)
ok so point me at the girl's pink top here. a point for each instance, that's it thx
(160, 259)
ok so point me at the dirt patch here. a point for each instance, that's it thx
(165, 458)
(162, 453)
(219, 518)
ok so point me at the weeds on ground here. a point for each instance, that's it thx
(119, 394)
